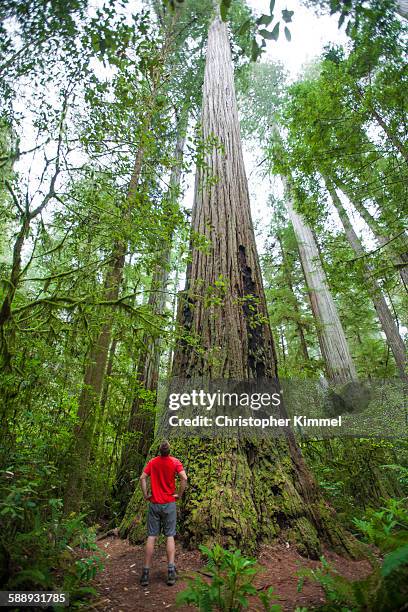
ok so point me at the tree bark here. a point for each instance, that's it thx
(385, 317)
(241, 492)
(334, 347)
(289, 282)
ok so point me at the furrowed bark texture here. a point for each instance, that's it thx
(247, 491)
(332, 339)
(385, 317)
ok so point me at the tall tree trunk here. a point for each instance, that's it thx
(334, 347)
(384, 314)
(401, 260)
(289, 282)
(240, 491)
(142, 416)
(96, 366)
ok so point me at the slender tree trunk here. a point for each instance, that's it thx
(332, 339)
(289, 283)
(12, 284)
(400, 260)
(400, 147)
(96, 366)
(102, 416)
(95, 371)
(241, 492)
(142, 417)
(385, 317)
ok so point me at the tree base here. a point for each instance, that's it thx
(242, 493)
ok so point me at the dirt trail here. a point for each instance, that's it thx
(119, 589)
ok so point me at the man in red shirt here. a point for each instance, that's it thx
(162, 513)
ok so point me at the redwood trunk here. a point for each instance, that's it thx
(332, 339)
(241, 492)
(402, 8)
(399, 260)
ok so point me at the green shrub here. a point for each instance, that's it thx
(230, 584)
(387, 527)
(40, 548)
(386, 588)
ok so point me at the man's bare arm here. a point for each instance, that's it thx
(143, 484)
(183, 483)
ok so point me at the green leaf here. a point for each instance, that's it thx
(244, 27)
(255, 51)
(264, 20)
(287, 15)
(274, 35)
(341, 20)
(275, 31)
(394, 560)
(224, 8)
(271, 6)
(288, 34)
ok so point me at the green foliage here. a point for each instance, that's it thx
(376, 593)
(386, 527)
(40, 547)
(231, 583)
(385, 589)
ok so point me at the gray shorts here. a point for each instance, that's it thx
(162, 516)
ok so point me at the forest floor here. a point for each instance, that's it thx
(119, 590)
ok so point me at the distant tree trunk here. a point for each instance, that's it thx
(376, 115)
(402, 8)
(96, 367)
(332, 339)
(102, 417)
(241, 492)
(289, 282)
(385, 317)
(401, 260)
(142, 415)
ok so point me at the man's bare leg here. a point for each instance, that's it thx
(149, 549)
(170, 550)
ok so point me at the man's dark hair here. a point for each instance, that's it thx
(164, 449)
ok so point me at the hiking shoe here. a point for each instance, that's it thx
(144, 578)
(171, 576)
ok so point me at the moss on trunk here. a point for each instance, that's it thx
(244, 493)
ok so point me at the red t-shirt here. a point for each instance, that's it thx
(162, 472)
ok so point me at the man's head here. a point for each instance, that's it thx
(164, 449)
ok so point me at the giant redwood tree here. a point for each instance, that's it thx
(240, 491)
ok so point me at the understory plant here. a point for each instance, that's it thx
(227, 584)
(385, 589)
(40, 547)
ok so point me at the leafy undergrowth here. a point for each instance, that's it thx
(231, 583)
(386, 588)
(40, 548)
(228, 578)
